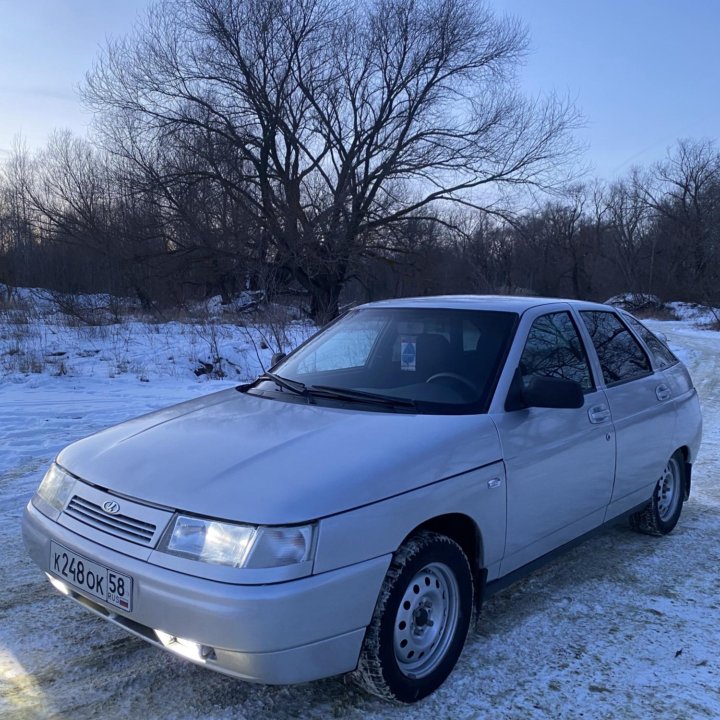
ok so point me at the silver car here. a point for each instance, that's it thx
(349, 510)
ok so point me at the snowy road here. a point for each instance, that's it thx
(624, 626)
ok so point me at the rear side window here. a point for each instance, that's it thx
(554, 349)
(660, 352)
(621, 355)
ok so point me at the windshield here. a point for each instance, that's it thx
(435, 360)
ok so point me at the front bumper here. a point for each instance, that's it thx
(281, 633)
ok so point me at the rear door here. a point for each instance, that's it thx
(641, 403)
(560, 462)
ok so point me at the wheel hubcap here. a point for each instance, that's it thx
(668, 491)
(426, 620)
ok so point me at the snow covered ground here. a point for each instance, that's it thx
(623, 626)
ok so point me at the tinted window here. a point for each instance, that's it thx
(621, 356)
(660, 352)
(554, 349)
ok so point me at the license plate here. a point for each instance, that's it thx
(110, 586)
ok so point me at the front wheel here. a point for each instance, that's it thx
(662, 513)
(421, 620)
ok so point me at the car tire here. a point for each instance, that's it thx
(420, 622)
(661, 514)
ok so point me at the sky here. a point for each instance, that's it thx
(46, 47)
(644, 73)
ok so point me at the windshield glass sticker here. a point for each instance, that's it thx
(408, 354)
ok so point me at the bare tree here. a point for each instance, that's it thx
(17, 236)
(83, 203)
(686, 199)
(630, 243)
(550, 245)
(342, 117)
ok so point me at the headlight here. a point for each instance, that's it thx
(210, 541)
(247, 546)
(56, 487)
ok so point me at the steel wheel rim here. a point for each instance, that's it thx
(426, 620)
(668, 491)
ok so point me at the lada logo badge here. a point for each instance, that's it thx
(111, 507)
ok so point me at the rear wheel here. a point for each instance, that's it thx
(420, 622)
(662, 513)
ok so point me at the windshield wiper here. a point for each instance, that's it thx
(360, 395)
(291, 385)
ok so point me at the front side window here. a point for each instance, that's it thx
(554, 349)
(621, 356)
(439, 360)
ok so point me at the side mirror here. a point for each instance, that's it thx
(276, 358)
(662, 337)
(549, 392)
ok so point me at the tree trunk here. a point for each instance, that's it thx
(324, 297)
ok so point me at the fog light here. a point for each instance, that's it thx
(59, 586)
(187, 648)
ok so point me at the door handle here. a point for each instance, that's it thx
(599, 414)
(663, 392)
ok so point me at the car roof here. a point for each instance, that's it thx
(502, 303)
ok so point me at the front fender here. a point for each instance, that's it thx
(379, 528)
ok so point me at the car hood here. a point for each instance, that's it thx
(241, 457)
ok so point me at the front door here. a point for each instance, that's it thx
(560, 463)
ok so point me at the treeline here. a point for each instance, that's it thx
(70, 220)
(335, 152)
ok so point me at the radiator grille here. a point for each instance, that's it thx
(121, 526)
